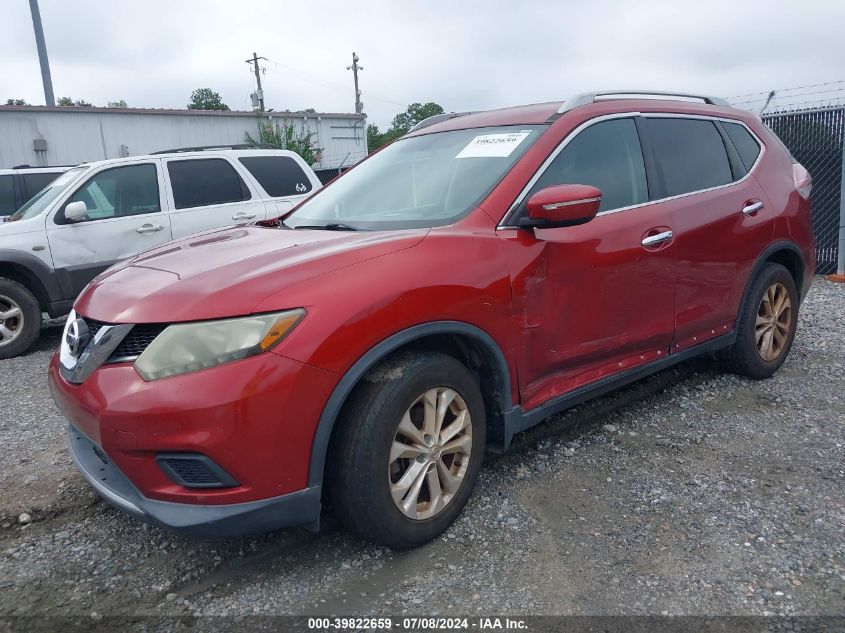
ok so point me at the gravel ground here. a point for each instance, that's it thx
(690, 492)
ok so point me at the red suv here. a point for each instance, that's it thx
(485, 271)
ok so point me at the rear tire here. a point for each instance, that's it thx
(20, 319)
(400, 470)
(766, 326)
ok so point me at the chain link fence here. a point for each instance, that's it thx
(815, 138)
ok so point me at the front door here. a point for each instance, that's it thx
(598, 299)
(126, 215)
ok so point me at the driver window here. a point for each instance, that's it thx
(606, 155)
(117, 192)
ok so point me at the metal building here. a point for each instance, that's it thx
(55, 135)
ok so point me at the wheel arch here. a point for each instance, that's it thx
(32, 274)
(470, 344)
(786, 253)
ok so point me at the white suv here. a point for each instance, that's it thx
(99, 213)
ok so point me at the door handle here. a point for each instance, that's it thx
(149, 228)
(243, 216)
(751, 208)
(659, 238)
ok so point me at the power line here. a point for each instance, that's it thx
(314, 79)
(764, 92)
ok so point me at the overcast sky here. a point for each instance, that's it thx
(465, 55)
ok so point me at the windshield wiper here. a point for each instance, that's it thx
(331, 226)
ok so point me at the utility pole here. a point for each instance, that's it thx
(259, 93)
(359, 107)
(42, 53)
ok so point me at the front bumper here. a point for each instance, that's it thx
(300, 508)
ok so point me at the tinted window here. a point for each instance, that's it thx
(691, 154)
(198, 183)
(744, 143)
(7, 195)
(33, 183)
(278, 175)
(606, 155)
(117, 192)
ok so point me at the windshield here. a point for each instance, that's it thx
(418, 182)
(44, 198)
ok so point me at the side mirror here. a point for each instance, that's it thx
(75, 211)
(562, 205)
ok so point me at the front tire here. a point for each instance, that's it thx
(20, 319)
(766, 326)
(408, 450)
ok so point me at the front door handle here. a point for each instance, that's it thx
(149, 228)
(243, 216)
(752, 207)
(658, 238)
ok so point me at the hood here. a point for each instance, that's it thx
(19, 227)
(227, 272)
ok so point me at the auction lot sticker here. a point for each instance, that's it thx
(492, 145)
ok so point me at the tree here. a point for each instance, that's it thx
(16, 102)
(284, 136)
(415, 113)
(402, 123)
(206, 99)
(116, 104)
(68, 102)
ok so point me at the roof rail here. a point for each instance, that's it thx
(437, 118)
(203, 148)
(586, 98)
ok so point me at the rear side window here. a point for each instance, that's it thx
(606, 155)
(7, 195)
(33, 183)
(690, 153)
(745, 144)
(199, 183)
(278, 175)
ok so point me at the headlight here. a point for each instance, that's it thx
(191, 346)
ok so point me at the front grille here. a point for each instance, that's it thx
(138, 339)
(194, 470)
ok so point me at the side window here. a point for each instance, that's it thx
(33, 183)
(278, 175)
(745, 144)
(205, 181)
(690, 153)
(7, 195)
(117, 192)
(606, 155)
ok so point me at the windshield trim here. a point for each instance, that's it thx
(540, 128)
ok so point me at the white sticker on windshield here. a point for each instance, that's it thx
(492, 145)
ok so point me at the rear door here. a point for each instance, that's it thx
(284, 180)
(125, 216)
(594, 301)
(206, 193)
(719, 215)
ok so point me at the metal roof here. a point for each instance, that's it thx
(185, 112)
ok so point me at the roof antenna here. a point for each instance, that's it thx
(768, 101)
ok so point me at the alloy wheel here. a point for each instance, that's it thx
(11, 320)
(430, 453)
(774, 320)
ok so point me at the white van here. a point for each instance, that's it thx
(99, 213)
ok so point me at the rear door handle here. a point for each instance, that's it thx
(149, 228)
(752, 207)
(658, 238)
(243, 216)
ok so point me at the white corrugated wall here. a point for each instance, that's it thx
(77, 135)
